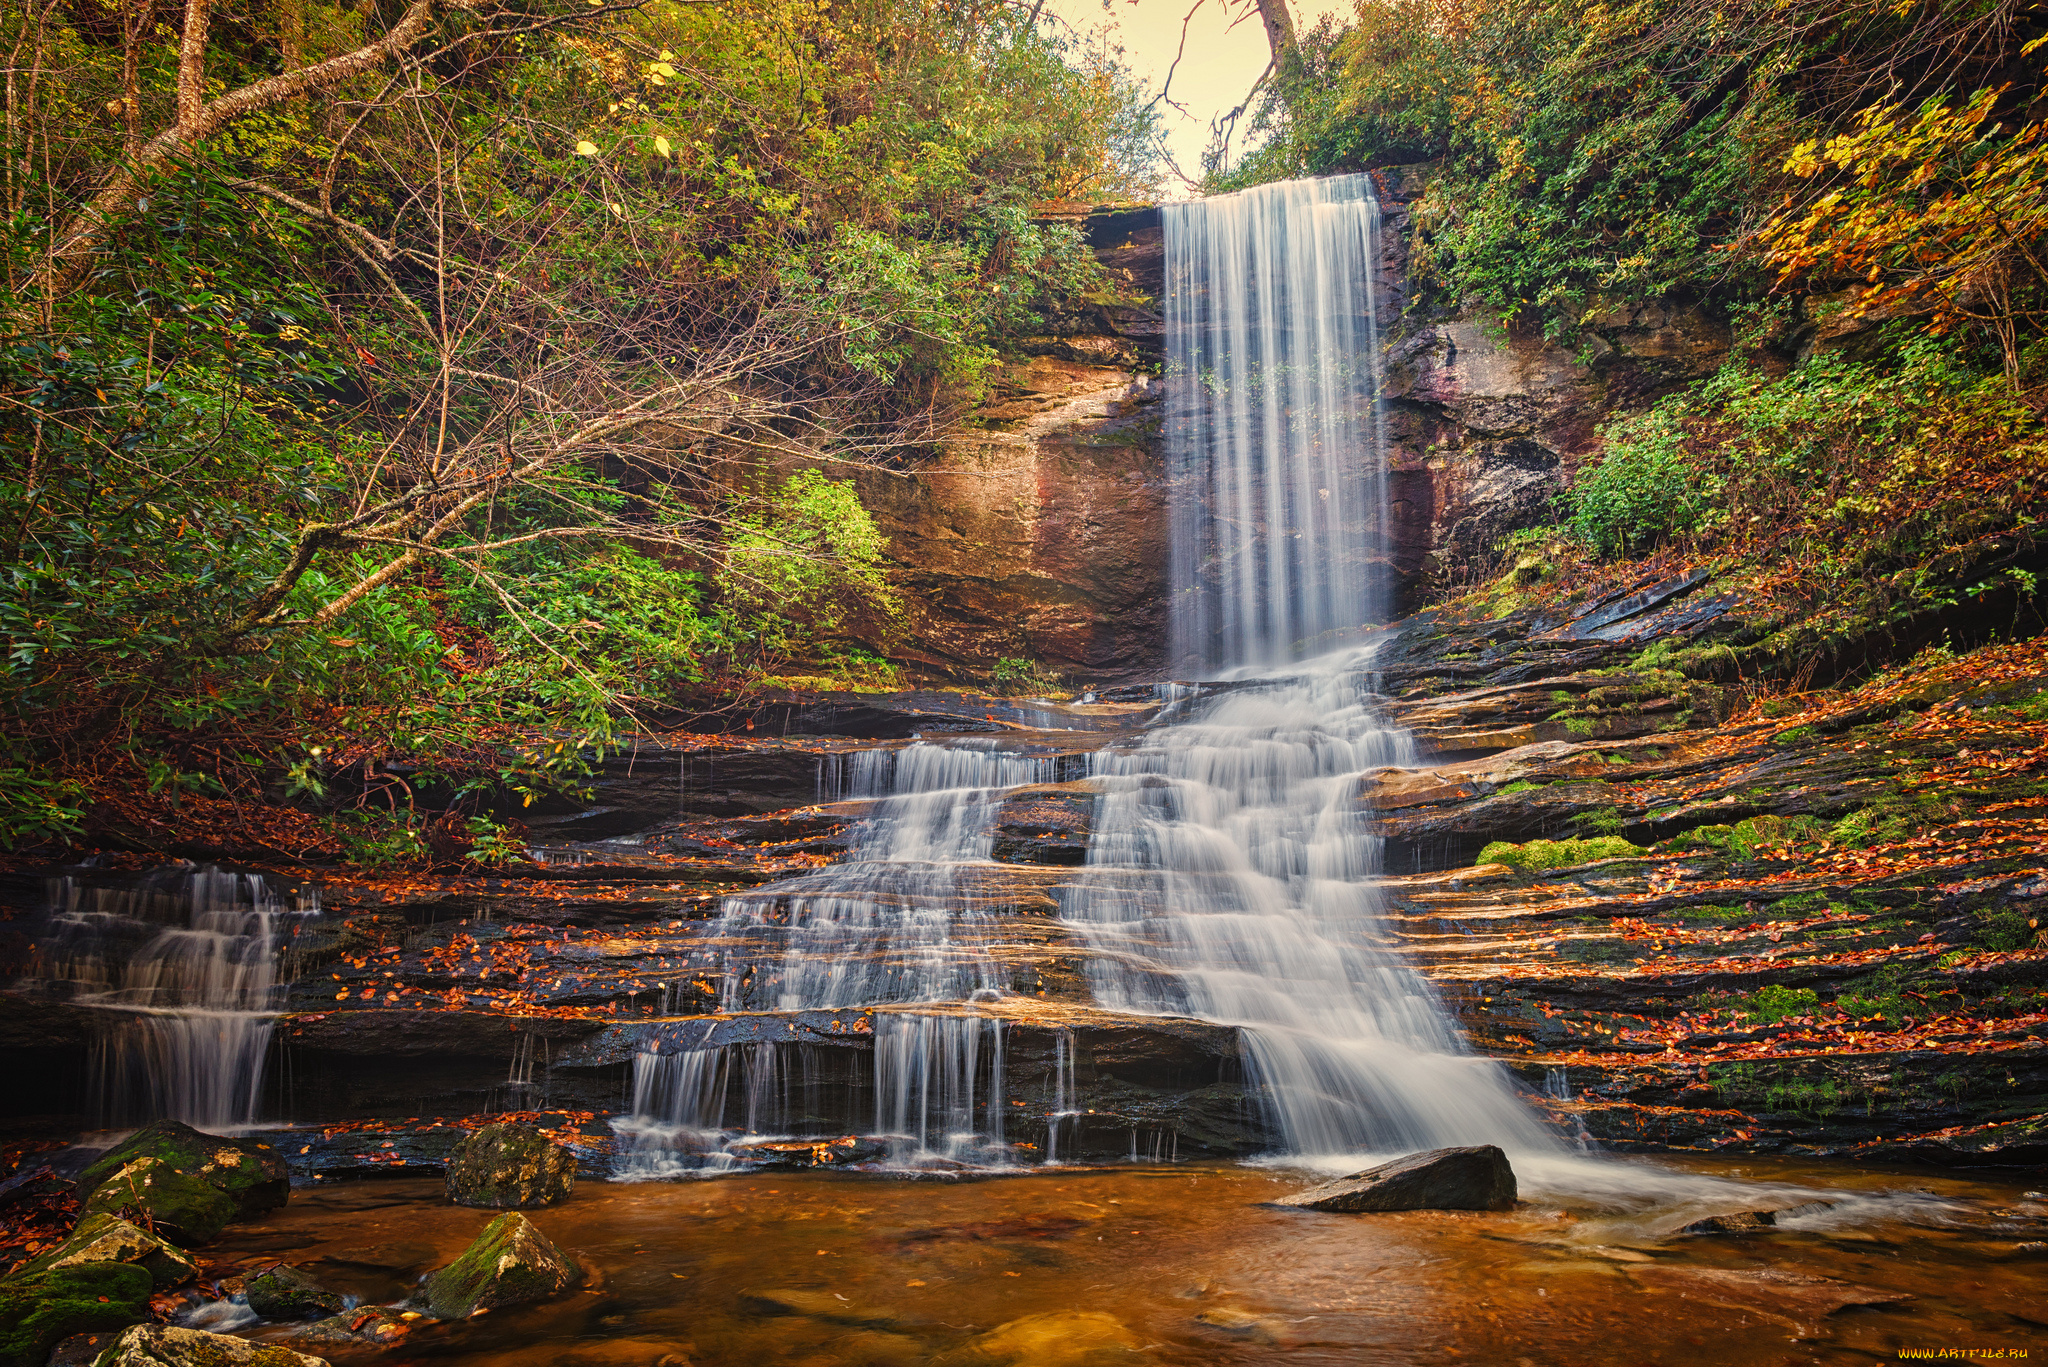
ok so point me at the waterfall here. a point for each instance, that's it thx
(1275, 439)
(899, 920)
(1233, 870)
(184, 970)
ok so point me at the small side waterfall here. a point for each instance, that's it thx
(1276, 445)
(185, 970)
(900, 920)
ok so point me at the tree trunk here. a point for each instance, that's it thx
(1279, 31)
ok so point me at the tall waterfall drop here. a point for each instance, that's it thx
(1275, 437)
(1233, 869)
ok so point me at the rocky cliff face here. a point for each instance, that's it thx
(1488, 422)
(1038, 531)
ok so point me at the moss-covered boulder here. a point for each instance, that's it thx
(510, 1167)
(283, 1292)
(161, 1345)
(104, 1238)
(37, 1309)
(510, 1263)
(252, 1174)
(188, 1208)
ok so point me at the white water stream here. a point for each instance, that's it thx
(183, 971)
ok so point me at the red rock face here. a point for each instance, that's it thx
(1041, 537)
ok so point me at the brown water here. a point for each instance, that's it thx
(1183, 1265)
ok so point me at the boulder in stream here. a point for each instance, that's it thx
(104, 1238)
(1752, 1221)
(372, 1326)
(167, 1198)
(283, 1292)
(163, 1345)
(1473, 1178)
(510, 1263)
(252, 1175)
(1069, 1338)
(508, 1167)
(38, 1309)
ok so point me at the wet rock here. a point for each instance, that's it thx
(1047, 824)
(81, 1350)
(283, 1292)
(829, 1306)
(1242, 1324)
(511, 1263)
(376, 1326)
(1751, 1221)
(38, 1310)
(810, 1153)
(32, 1184)
(104, 1238)
(1474, 1178)
(162, 1345)
(510, 1166)
(1073, 1338)
(252, 1174)
(190, 1208)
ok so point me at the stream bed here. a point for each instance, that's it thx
(1182, 1264)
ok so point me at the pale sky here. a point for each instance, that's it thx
(1218, 67)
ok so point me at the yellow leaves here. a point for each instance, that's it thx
(660, 72)
(586, 148)
(661, 145)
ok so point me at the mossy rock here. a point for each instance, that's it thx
(163, 1345)
(106, 1238)
(191, 1209)
(510, 1263)
(253, 1174)
(1537, 855)
(283, 1292)
(509, 1167)
(36, 1310)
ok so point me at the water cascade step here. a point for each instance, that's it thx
(184, 969)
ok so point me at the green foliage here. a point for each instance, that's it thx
(1538, 855)
(1751, 838)
(795, 569)
(1774, 1002)
(2005, 931)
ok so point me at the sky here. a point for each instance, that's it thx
(1218, 67)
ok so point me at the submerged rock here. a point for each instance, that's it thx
(1072, 1338)
(375, 1326)
(1474, 1178)
(1751, 1221)
(104, 1238)
(510, 1263)
(510, 1166)
(162, 1345)
(818, 1305)
(36, 1310)
(283, 1292)
(189, 1207)
(251, 1174)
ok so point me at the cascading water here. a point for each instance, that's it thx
(1231, 871)
(1275, 436)
(185, 971)
(900, 919)
(1231, 877)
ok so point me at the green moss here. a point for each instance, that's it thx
(1774, 1003)
(36, 1311)
(1579, 726)
(1537, 855)
(189, 1207)
(1520, 785)
(510, 1263)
